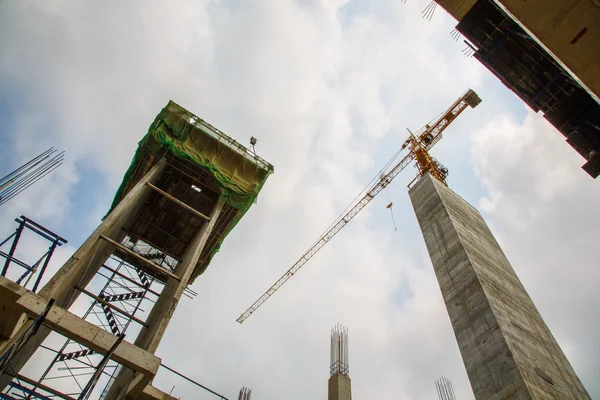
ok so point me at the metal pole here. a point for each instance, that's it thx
(87, 390)
(13, 246)
(46, 261)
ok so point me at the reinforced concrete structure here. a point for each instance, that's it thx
(546, 52)
(339, 379)
(188, 185)
(507, 349)
(245, 394)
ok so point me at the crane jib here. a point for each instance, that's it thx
(427, 137)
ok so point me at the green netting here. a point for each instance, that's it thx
(239, 174)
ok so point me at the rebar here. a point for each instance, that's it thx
(29, 173)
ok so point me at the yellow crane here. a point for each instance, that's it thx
(418, 145)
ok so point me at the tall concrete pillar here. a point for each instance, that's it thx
(507, 349)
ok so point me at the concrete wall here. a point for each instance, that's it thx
(569, 29)
(339, 387)
(507, 349)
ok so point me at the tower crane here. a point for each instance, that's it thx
(418, 145)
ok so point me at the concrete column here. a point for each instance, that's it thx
(339, 387)
(507, 349)
(162, 312)
(83, 265)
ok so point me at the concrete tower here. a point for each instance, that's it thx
(507, 349)
(339, 381)
(188, 185)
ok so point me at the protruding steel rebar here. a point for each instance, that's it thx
(444, 389)
(469, 49)
(29, 173)
(338, 355)
(455, 35)
(245, 394)
(428, 11)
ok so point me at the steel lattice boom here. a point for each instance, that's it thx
(418, 145)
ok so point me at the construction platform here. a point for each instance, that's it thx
(204, 165)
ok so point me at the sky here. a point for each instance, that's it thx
(328, 88)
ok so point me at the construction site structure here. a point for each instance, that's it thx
(444, 389)
(339, 387)
(188, 185)
(28, 272)
(418, 145)
(546, 52)
(507, 349)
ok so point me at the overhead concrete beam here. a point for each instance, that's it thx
(89, 335)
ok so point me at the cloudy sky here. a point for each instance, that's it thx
(328, 87)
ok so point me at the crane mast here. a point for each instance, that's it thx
(418, 146)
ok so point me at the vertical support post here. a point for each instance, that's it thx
(13, 247)
(162, 312)
(46, 261)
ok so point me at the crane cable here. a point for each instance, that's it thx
(360, 194)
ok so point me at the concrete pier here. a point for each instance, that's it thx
(507, 349)
(339, 387)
